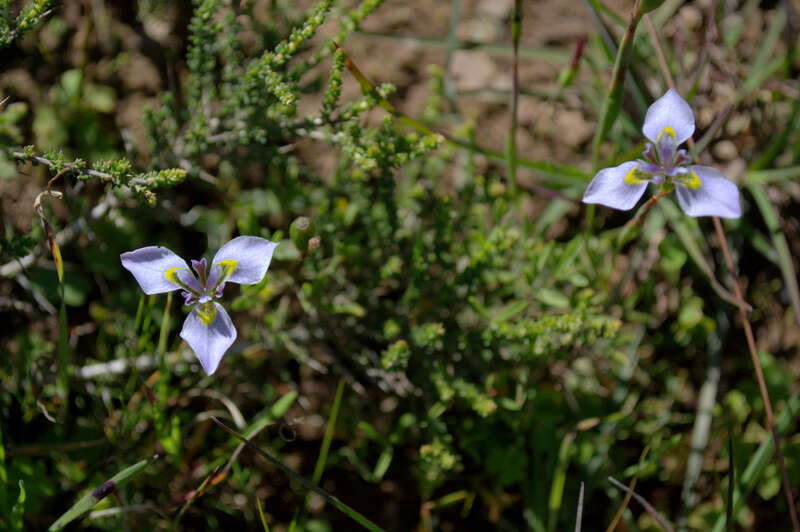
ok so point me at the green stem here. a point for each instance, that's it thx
(762, 384)
(452, 46)
(516, 33)
(162, 336)
(339, 505)
(329, 430)
(322, 458)
(63, 348)
(569, 175)
(613, 101)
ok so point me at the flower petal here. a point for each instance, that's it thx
(716, 195)
(611, 188)
(151, 265)
(209, 331)
(249, 258)
(669, 111)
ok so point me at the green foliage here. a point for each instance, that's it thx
(11, 28)
(18, 510)
(492, 348)
(17, 246)
(116, 173)
(105, 489)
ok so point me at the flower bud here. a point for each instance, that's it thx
(301, 231)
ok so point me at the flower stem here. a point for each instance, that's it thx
(631, 228)
(762, 385)
(748, 329)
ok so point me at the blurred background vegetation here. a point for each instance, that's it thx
(496, 347)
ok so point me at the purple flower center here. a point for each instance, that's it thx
(662, 162)
(211, 283)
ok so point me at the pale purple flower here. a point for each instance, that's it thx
(701, 190)
(207, 329)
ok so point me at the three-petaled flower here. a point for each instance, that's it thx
(207, 329)
(701, 190)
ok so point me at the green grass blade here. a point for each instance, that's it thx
(88, 501)
(18, 511)
(780, 243)
(637, 88)
(612, 104)
(162, 335)
(733, 34)
(144, 333)
(63, 349)
(543, 53)
(322, 459)
(194, 495)
(451, 47)
(3, 472)
(777, 145)
(778, 175)
(631, 486)
(511, 141)
(263, 519)
(759, 462)
(680, 226)
(762, 67)
(282, 405)
(647, 506)
(609, 46)
(711, 132)
(137, 322)
(559, 479)
(342, 507)
(557, 173)
(731, 484)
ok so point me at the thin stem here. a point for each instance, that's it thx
(762, 385)
(648, 206)
(662, 61)
(342, 507)
(579, 513)
(641, 500)
(731, 484)
(516, 32)
(748, 330)
(631, 486)
(545, 53)
(452, 46)
(631, 229)
(701, 64)
(322, 458)
(368, 86)
(613, 100)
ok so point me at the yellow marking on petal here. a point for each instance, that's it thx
(228, 267)
(630, 177)
(172, 276)
(693, 181)
(669, 131)
(207, 312)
